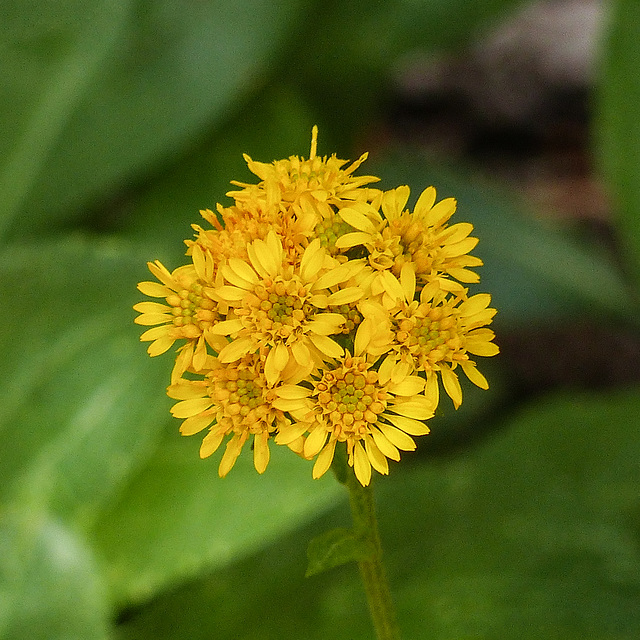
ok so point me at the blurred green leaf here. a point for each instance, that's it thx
(178, 66)
(49, 586)
(275, 124)
(49, 54)
(618, 122)
(178, 517)
(82, 403)
(534, 270)
(532, 535)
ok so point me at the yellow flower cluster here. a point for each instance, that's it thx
(316, 311)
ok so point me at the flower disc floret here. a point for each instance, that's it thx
(233, 400)
(437, 333)
(188, 312)
(374, 412)
(279, 307)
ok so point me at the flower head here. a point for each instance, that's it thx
(233, 400)
(375, 412)
(317, 312)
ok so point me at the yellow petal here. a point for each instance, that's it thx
(243, 270)
(160, 272)
(200, 354)
(394, 201)
(195, 424)
(458, 248)
(357, 220)
(410, 386)
(187, 389)
(324, 460)
(192, 407)
(150, 319)
(391, 285)
(474, 375)
(292, 392)
(361, 464)
(408, 425)
(376, 458)
(183, 362)
(425, 201)
(327, 346)
(408, 281)
(418, 408)
(325, 323)
(441, 212)
(290, 433)
(315, 441)
(159, 346)
(261, 451)
(481, 347)
(231, 293)
(151, 307)
(345, 296)
(226, 327)
(451, 386)
(236, 350)
(398, 438)
(211, 443)
(154, 289)
(388, 449)
(276, 361)
(301, 353)
(312, 260)
(352, 239)
(231, 453)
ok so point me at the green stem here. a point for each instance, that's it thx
(372, 570)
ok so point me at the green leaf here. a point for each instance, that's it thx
(180, 67)
(617, 123)
(82, 402)
(178, 517)
(532, 535)
(49, 585)
(275, 124)
(50, 53)
(336, 547)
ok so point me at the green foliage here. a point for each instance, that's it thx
(120, 120)
(619, 127)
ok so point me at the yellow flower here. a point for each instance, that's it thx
(317, 310)
(319, 182)
(280, 307)
(436, 334)
(374, 412)
(420, 238)
(189, 311)
(233, 400)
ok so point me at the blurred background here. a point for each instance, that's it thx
(519, 516)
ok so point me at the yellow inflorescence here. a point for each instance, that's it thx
(318, 312)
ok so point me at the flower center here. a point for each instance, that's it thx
(329, 230)
(241, 394)
(351, 398)
(278, 308)
(432, 337)
(192, 310)
(351, 315)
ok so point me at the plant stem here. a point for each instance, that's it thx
(372, 570)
